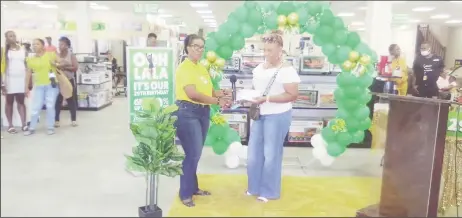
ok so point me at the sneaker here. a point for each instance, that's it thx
(74, 124)
(57, 124)
(51, 132)
(29, 132)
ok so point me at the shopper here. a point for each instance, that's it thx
(446, 83)
(427, 69)
(50, 47)
(194, 94)
(280, 81)
(67, 63)
(45, 88)
(152, 40)
(14, 80)
(399, 67)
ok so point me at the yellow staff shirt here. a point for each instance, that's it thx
(190, 73)
(41, 67)
(401, 83)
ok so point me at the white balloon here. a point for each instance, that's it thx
(243, 153)
(234, 149)
(232, 162)
(317, 141)
(319, 152)
(327, 160)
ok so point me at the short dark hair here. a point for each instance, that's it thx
(152, 35)
(66, 41)
(391, 47)
(40, 40)
(48, 38)
(189, 39)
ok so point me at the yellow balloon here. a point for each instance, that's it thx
(365, 60)
(220, 62)
(205, 63)
(282, 20)
(282, 28)
(211, 56)
(353, 56)
(292, 19)
(347, 65)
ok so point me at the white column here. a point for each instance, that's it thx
(83, 34)
(378, 26)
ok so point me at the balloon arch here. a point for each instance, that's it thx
(341, 46)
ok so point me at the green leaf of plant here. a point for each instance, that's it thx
(170, 109)
(150, 104)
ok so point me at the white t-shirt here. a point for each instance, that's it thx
(444, 82)
(261, 78)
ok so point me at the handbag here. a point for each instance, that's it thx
(254, 110)
(65, 86)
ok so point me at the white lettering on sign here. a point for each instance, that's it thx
(453, 125)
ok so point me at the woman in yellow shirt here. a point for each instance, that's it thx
(398, 63)
(194, 95)
(46, 90)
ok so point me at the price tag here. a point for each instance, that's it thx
(454, 123)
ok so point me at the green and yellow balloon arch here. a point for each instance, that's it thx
(341, 46)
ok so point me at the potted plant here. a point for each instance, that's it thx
(156, 153)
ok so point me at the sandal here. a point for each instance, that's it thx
(188, 202)
(202, 193)
(12, 130)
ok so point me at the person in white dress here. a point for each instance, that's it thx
(14, 80)
(267, 133)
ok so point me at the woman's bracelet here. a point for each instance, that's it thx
(218, 101)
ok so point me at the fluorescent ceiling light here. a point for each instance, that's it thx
(207, 16)
(414, 21)
(31, 2)
(357, 23)
(204, 12)
(48, 6)
(398, 1)
(423, 9)
(93, 4)
(440, 16)
(403, 27)
(455, 1)
(99, 7)
(345, 14)
(210, 20)
(198, 5)
(165, 15)
(453, 21)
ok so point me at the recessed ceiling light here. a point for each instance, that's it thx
(345, 14)
(204, 12)
(207, 16)
(357, 23)
(362, 8)
(31, 2)
(210, 20)
(198, 5)
(440, 16)
(423, 9)
(47, 6)
(453, 21)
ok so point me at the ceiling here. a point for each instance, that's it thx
(404, 12)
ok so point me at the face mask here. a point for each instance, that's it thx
(425, 53)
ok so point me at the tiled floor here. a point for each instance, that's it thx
(80, 171)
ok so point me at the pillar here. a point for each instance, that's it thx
(378, 26)
(83, 34)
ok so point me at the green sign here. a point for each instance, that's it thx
(145, 8)
(150, 75)
(454, 123)
(98, 26)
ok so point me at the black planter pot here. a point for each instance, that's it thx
(146, 211)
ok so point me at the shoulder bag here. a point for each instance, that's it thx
(254, 111)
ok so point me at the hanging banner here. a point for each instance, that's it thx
(150, 75)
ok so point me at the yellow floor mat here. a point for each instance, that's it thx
(301, 197)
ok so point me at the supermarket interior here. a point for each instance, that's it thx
(367, 136)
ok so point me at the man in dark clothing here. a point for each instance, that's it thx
(427, 68)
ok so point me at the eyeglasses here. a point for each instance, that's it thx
(197, 47)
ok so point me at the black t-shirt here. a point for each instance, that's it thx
(427, 70)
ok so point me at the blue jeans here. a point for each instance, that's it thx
(43, 95)
(191, 128)
(264, 154)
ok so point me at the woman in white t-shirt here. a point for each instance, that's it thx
(446, 83)
(267, 134)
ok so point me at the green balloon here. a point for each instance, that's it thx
(328, 135)
(340, 37)
(365, 98)
(317, 40)
(334, 149)
(231, 25)
(352, 91)
(225, 52)
(328, 49)
(365, 81)
(303, 15)
(374, 57)
(327, 17)
(285, 8)
(346, 79)
(241, 13)
(353, 40)
(237, 42)
(365, 124)
(325, 32)
(343, 53)
(211, 44)
(310, 28)
(350, 104)
(222, 36)
(362, 113)
(217, 131)
(363, 49)
(358, 136)
(338, 24)
(254, 18)
(314, 7)
(339, 94)
(232, 136)
(220, 147)
(333, 58)
(261, 30)
(213, 110)
(344, 138)
(209, 141)
(271, 21)
(267, 6)
(250, 5)
(342, 113)
(352, 124)
(247, 30)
